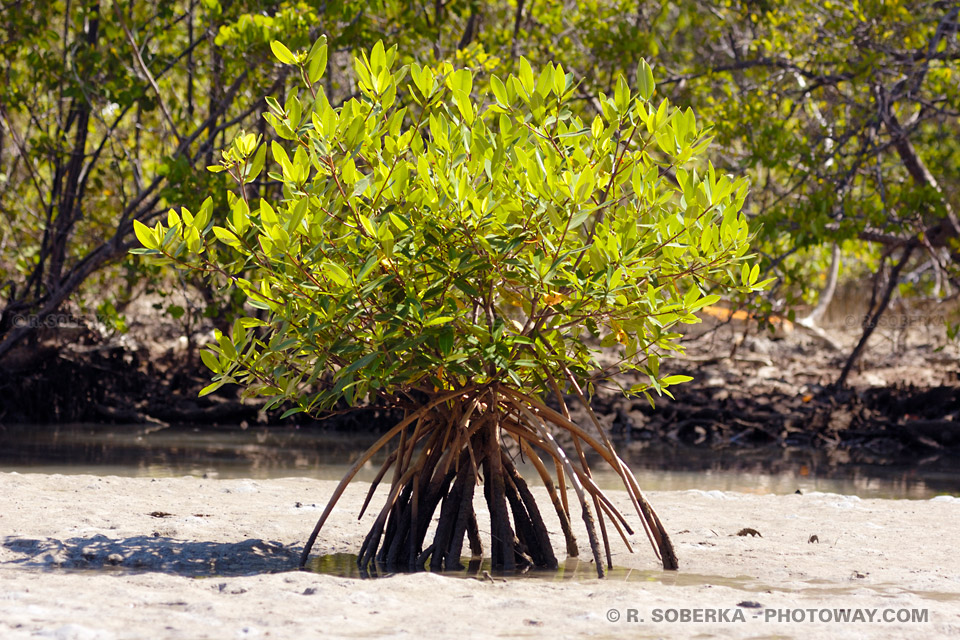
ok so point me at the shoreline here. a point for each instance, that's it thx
(280, 452)
(109, 558)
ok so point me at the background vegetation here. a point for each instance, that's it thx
(844, 115)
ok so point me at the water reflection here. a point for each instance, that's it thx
(271, 452)
(344, 565)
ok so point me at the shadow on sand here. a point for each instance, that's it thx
(148, 553)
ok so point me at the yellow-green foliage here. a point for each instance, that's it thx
(432, 236)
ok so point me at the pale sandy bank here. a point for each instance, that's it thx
(81, 557)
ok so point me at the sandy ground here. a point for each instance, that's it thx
(82, 558)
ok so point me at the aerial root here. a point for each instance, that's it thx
(458, 440)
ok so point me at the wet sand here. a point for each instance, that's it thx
(102, 558)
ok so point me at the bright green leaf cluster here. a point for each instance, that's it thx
(430, 237)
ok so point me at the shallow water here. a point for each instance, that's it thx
(344, 565)
(275, 452)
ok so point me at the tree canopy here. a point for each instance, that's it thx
(843, 115)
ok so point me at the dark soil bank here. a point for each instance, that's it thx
(748, 391)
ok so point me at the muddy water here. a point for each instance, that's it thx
(344, 565)
(262, 452)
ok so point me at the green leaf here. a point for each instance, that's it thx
(463, 81)
(283, 54)
(445, 340)
(357, 364)
(145, 235)
(227, 237)
(317, 60)
(275, 107)
(706, 301)
(227, 347)
(336, 273)
(645, 82)
(280, 156)
(526, 75)
(267, 215)
(559, 80)
(210, 388)
(378, 57)
(763, 284)
(464, 106)
(256, 166)
(585, 184)
(499, 91)
(367, 225)
(294, 410)
(360, 186)
(399, 222)
(203, 216)
(210, 359)
(240, 216)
